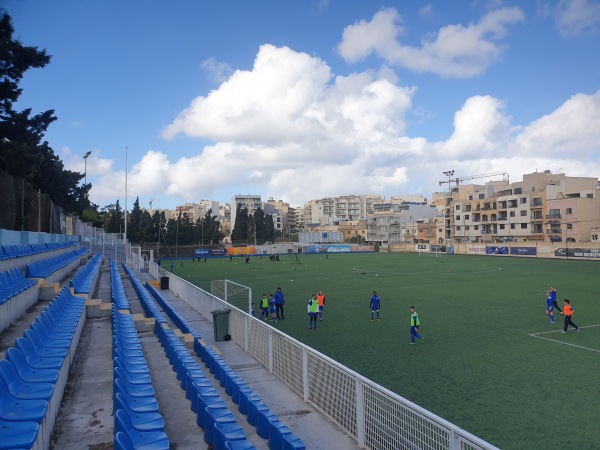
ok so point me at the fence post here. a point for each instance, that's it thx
(360, 414)
(270, 351)
(305, 375)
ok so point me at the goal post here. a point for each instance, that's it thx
(233, 293)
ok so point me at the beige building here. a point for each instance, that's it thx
(331, 210)
(542, 207)
(353, 229)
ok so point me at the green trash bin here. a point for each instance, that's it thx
(221, 324)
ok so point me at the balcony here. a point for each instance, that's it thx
(553, 217)
(538, 218)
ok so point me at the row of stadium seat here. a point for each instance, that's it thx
(220, 429)
(117, 289)
(34, 374)
(85, 280)
(138, 423)
(20, 250)
(173, 314)
(266, 422)
(17, 295)
(55, 268)
(149, 307)
(219, 424)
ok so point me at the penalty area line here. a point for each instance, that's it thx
(537, 335)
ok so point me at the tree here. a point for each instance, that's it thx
(23, 153)
(239, 234)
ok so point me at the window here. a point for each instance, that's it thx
(502, 226)
(512, 214)
(467, 227)
(523, 226)
(457, 218)
(466, 217)
(458, 228)
(523, 213)
(518, 191)
(476, 227)
(512, 226)
(554, 214)
(569, 210)
(457, 207)
(569, 226)
(523, 200)
(481, 196)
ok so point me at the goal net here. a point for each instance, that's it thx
(233, 293)
(294, 259)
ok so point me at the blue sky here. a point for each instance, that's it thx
(305, 99)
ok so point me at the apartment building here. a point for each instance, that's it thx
(392, 223)
(544, 206)
(332, 210)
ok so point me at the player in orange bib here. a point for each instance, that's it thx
(568, 313)
(321, 302)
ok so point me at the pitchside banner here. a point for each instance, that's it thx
(578, 252)
(523, 251)
(340, 248)
(202, 252)
(495, 250)
(476, 250)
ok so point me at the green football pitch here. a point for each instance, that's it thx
(490, 361)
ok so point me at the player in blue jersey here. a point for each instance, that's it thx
(553, 298)
(549, 307)
(375, 305)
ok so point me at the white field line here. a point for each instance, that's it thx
(537, 335)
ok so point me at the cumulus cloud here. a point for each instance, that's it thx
(480, 130)
(217, 71)
(570, 132)
(289, 128)
(453, 51)
(577, 17)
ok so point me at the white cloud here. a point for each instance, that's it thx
(480, 130)
(570, 132)
(217, 71)
(577, 17)
(454, 51)
(288, 128)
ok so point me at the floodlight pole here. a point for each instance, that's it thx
(125, 234)
(449, 174)
(85, 157)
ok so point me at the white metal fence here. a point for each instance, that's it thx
(376, 417)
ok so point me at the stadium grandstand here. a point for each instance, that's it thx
(101, 349)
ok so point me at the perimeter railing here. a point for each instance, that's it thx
(376, 417)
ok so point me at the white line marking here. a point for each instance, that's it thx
(536, 335)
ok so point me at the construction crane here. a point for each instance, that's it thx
(151, 200)
(474, 177)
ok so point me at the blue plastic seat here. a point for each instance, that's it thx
(27, 346)
(156, 440)
(215, 414)
(292, 442)
(34, 360)
(42, 349)
(18, 434)
(18, 410)
(132, 378)
(138, 404)
(22, 389)
(227, 432)
(134, 390)
(28, 373)
(141, 421)
(242, 444)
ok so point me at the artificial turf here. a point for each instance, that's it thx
(479, 366)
